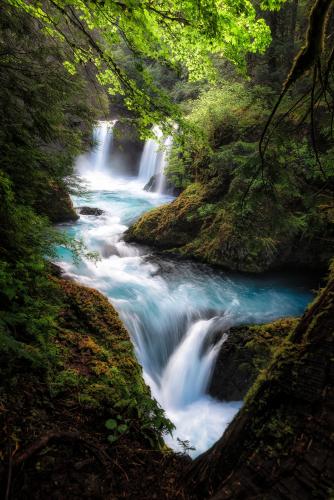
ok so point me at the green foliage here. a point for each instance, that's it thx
(46, 118)
(220, 128)
(117, 427)
(180, 35)
(249, 214)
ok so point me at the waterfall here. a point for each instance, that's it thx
(103, 136)
(188, 371)
(174, 311)
(154, 160)
(95, 167)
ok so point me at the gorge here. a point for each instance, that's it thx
(172, 309)
(166, 250)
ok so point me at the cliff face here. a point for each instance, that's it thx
(127, 147)
(281, 443)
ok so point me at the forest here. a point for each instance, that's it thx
(166, 249)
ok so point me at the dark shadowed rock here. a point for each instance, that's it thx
(169, 188)
(245, 352)
(55, 270)
(127, 147)
(57, 205)
(90, 211)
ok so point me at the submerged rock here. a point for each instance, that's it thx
(90, 211)
(108, 250)
(245, 352)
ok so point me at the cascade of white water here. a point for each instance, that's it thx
(188, 371)
(154, 159)
(96, 167)
(103, 136)
(149, 156)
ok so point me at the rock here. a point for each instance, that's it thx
(57, 204)
(247, 350)
(90, 211)
(127, 147)
(169, 188)
(108, 250)
(152, 183)
(167, 227)
(201, 224)
(55, 270)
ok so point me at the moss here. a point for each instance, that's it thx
(169, 226)
(246, 353)
(98, 362)
(95, 378)
(192, 226)
(200, 225)
(57, 205)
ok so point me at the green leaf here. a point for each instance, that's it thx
(111, 424)
(112, 439)
(122, 428)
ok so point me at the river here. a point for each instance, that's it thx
(169, 307)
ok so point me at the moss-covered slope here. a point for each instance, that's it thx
(86, 428)
(197, 225)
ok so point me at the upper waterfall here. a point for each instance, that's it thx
(103, 137)
(154, 159)
(95, 167)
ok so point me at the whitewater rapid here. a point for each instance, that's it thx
(171, 309)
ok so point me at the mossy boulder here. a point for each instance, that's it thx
(83, 423)
(170, 226)
(246, 351)
(98, 355)
(199, 225)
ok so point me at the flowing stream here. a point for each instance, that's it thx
(170, 308)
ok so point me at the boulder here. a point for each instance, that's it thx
(169, 188)
(90, 211)
(245, 352)
(57, 205)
